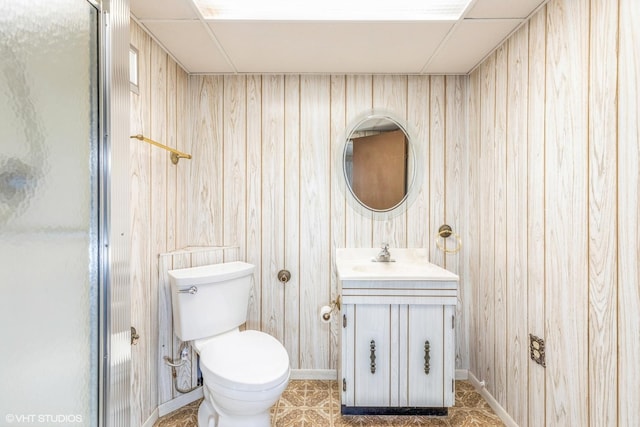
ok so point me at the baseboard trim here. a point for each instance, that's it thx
(497, 408)
(314, 374)
(462, 374)
(179, 402)
(332, 374)
(152, 419)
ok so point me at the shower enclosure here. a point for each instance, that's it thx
(54, 296)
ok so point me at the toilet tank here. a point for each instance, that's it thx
(210, 299)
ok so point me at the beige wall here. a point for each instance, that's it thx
(554, 146)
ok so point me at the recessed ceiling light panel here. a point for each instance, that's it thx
(332, 10)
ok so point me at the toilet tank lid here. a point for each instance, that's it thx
(210, 273)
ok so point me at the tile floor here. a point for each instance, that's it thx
(315, 403)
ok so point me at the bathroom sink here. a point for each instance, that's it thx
(358, 264)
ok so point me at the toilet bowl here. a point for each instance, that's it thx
(244, 373)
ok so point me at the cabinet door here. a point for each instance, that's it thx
(426, 354)
(347, 360)
(372, 354)
(449, 355)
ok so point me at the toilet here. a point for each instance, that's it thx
(244, 372)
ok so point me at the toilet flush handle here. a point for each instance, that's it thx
(191, 291)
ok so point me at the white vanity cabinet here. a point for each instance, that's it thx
(398, 341)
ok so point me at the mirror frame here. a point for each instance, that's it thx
(413, 169)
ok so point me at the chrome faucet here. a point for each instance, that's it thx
(384, 255)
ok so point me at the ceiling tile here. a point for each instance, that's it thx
(470, 42)
(163, 9)
(490, 9)
(329, 47)
(190, 43)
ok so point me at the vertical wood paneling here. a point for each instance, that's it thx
(535, 208)
(254, 194)
(581, 184)
(418, 120)
(315, 264)
(359, 100)
(486, 347)
(273, 200)
(207, 162)
(206, 257)
(566, 246)
(436, 163)
(235, 154)
(603, 328)
(170, 140)
(158, 132)
(338, 205)
(516, 226)
(292, 219)
(500, 226)
(183, 114)
(230, 254)
(455, 170)
(473, 237)
(628, 212)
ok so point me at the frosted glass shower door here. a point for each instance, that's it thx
(48, 213)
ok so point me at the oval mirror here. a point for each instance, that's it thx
(378, 163)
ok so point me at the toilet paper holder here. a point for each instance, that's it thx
(327, 310)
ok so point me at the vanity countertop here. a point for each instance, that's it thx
(410, 264)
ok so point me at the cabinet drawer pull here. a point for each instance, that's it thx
(427, 357)
(372, 356)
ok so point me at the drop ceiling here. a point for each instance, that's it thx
(204, 46)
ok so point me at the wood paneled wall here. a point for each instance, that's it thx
(266, 177)
(159, 111)
(625, 317)
(554, 153)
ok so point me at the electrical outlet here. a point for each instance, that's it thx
(536, 350)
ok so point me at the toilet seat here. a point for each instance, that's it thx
(245, 361)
